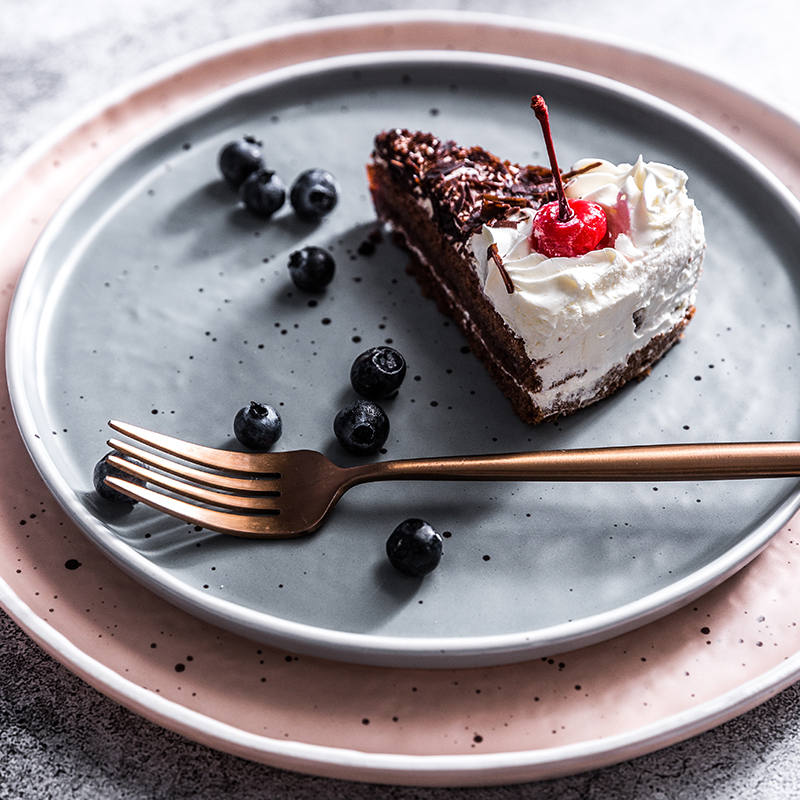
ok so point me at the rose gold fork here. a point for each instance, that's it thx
(290, 493)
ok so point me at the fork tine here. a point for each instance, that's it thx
(251, 463)
(214, 480)
(198, 493)
(247, 526)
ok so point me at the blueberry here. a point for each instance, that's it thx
(311, 268)
(257, 426)
(314, 194)
(362, 427)
(238, 159)
(378, 372)
(263, 192)
(414, 548)
(103, 469)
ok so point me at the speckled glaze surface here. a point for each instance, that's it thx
(725, 652)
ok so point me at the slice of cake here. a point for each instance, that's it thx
(555, 332)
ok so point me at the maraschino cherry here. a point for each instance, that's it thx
(564, 227)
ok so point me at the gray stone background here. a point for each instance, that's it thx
(61, 739)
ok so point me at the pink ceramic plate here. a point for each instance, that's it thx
(701, 665)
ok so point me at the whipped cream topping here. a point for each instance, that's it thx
(581, 316)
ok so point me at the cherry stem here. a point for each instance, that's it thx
(565, 213)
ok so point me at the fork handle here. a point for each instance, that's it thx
(673, 462)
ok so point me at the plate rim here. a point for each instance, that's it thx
(459, 770)
(355, 647)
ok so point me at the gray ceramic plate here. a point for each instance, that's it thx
(153, 297)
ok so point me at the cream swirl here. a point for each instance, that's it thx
(581, 316)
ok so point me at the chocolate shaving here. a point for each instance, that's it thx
(502, 223)
(492, 253)
(463, 198)
(565, 176)
(445, 168)
(506, 201)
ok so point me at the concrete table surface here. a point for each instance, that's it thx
(59, 738)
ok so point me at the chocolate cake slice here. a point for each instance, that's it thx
(555, 334)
